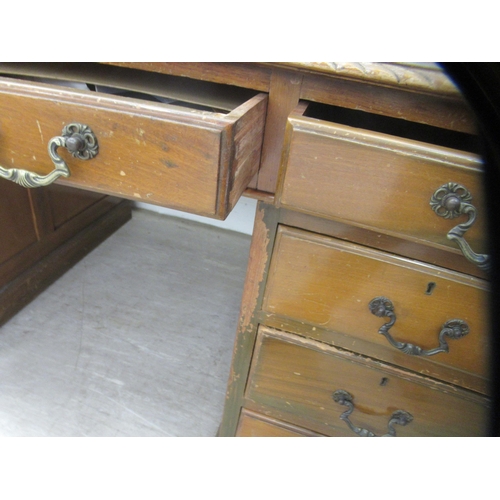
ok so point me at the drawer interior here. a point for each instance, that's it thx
(377, 180)
(168, 141)
(126, 82)
(393, 126)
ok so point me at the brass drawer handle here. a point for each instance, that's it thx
(454, 328)
(450, 201)
(78, 139)
(399, 417)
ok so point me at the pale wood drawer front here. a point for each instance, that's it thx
(188, 159)
(378, 181)
(326, 286)
(295, 380)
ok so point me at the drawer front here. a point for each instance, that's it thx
(186, 159)
(296, 379)
(329, 284)
(378, 181)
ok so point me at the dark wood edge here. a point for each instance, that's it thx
(20, 262)
(259, 195)
(255, 281)
(21, 291)
(246, 75)
(420, 250)
(386, 354)
(302, 431)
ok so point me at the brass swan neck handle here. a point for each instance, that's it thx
(399, 417)
(77, 138)
(452, 200)
(383, 307)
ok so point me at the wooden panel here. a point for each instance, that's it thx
(329, 284)
(255, 425)
(423, 95)
(422, 107)
(16, 220)
(115, 80)
(52, 239)
(66, 202)
(378, 181)
(50, 265)
(398, 246)
(246, 139)
(244, 75)
(258, 263)
(295, 379)
(283, 97)
(160, 154)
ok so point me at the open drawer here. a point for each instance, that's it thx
(386, 175)
(163, 140)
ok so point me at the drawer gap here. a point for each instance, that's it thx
(394, 126)
(125, 82)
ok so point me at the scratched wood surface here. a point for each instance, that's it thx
(424, 95)
(329, 284)
(378, 181)
(258, 263)
(253, 424)
(181, 158)
(294, 380)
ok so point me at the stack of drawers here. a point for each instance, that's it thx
(366, 305)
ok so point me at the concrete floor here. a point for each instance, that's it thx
(135, 340)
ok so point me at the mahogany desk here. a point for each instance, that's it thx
(365, 305)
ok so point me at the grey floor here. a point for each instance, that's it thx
(135, 340)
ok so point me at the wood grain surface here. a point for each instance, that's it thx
(16, 220)
(378, 181)
(152, 152)
(329, 284)
(255, 425)
(294, 379)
